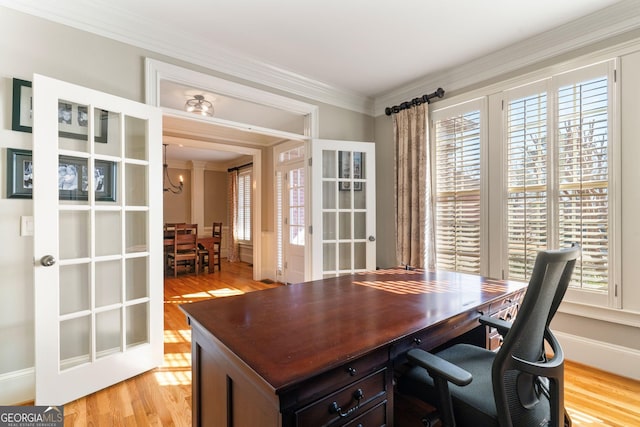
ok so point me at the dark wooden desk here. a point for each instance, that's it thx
(300, 355)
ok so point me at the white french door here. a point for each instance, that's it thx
(294, 230)
(343, 207)
(97, 240)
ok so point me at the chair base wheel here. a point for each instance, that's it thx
(431, 420)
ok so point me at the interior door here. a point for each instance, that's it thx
(343, 207)
(294, 223)
(97, 240)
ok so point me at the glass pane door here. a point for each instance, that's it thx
(99, 297)
(344, 209)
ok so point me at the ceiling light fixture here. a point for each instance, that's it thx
(199, 105)
(175, 189)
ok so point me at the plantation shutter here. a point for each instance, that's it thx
(244, 206)
(527, 208)
(457, 141)
(558, 181)
(583, 175)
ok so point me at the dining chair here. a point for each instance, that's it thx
(185, 247)
(204, 252)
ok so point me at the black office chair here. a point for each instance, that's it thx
(515, 386)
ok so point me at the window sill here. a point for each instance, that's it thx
(606, 314)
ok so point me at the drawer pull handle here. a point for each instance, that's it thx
(335, 409)
(352, 371)
(417, 341)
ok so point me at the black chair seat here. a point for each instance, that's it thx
(474, 404)
(517, 386)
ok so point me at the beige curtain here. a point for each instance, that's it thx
(232, 198)
(415, 181)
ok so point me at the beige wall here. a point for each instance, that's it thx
(215, 197)
(385, 193)
(177, 207)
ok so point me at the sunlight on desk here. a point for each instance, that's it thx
(415, 287)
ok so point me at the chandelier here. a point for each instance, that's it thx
(175, 189)
(199, 105)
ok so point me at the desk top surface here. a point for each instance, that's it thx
(289, 333)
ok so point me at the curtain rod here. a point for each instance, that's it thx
(246, 165)
(415, 101)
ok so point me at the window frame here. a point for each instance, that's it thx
(494, 99)
(551, 85)
(245, 179)
(480, 105)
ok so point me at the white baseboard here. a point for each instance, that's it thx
(616, 359)
(17, 387)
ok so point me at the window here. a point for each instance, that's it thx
(296, 206)
(243, 225)
(457, 141)
(527, 216)
(558, 174)
(545, 179)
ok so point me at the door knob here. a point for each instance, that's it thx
(372, 239)
(47, 260)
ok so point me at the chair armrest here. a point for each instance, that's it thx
(439, 367)
(503, 326)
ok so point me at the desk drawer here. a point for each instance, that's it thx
(511, 303)
(332, 380)
(414, 341)
(345, 404)
(374, 417)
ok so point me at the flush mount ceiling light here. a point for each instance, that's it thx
(199, 105)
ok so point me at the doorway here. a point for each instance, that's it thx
(245, 118)
(291, 188)
(206, 166)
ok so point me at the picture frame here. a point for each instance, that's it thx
(22, 106)
(19, 174)
(72, 117)
(73, 177)
(344, 169)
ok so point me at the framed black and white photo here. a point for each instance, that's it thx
(344, 170)
(104, 181)
(73, 119)
(19, 174)
(73, 177)
(73, 122)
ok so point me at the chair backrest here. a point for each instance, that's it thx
(520, 368)
(185, 238)
(217, 229)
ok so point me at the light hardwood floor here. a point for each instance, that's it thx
(162, 397)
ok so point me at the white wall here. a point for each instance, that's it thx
(31, 45)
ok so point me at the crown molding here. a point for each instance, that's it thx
(605, 24)
(117, 24)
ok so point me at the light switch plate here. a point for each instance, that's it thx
(26, 226)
